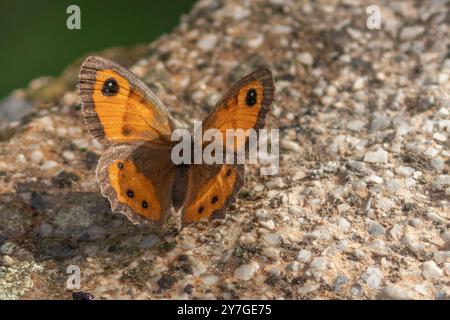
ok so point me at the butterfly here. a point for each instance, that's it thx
(136, 172)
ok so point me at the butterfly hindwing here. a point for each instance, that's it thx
(120, 108)
(210, 191)
(138, 180)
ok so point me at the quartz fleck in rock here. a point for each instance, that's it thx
(269, 224)
(207, 42)
(376, 229)
(430, 270)
(411, 32)
(306, 58)
(304, 256)
(68, 155)
(393, 292)
(379, 156)
(271, 252)
(246, 271)
(273, 239)
(344, 224)
(290, 145)
(373, 277)
(319, 264)
(36, 156)
(49, 164)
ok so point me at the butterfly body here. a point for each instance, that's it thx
(136, 172)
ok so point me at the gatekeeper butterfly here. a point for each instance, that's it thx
(136, 172)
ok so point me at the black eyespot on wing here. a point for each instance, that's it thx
(144, 204)
(214, 199)
(110, 87)
(228, 172)
(130, 193)
(251, 98)
(126, 130)
(200, 210)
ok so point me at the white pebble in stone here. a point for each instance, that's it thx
(379, 156)
(404, 171)
(447, 268)
(207, 42)
(198, 268)
(304, 256)
(416, 222)
(319, 264)
(68, 155)
(275, 183)
(37, 156)
(270, 225)
(261, 213)
(49, 164)
(443, 180)
(293, 266)
(412, 244)
(375, 179)
(393, 292)
(438, 163)
(358, 84)
(256, 42)
(431, 151)
(385, 204)
(373, 277)
(306, 58)
(430, 270)
(355, 125)
(440, 137)
(308, 288)
(259, 188)
(273, 239)
(246, 271)
(435, 217)
(290, 145)
(210, 280)
(246, 238)
(410, 32)
(376, 229)
(344, 224)
(446, 235)
(294, 210)
(271, 252)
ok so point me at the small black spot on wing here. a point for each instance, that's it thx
(252, 97)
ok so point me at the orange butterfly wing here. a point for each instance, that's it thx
(120, 108)
(138, 181)
(244, 106)
(136, 172)
(210, 191)
(212, 188)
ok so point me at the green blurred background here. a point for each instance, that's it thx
(34, 39)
